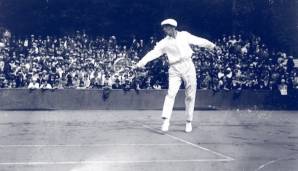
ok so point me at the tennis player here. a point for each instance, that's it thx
(176, 46)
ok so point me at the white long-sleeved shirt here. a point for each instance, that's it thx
(33, 85)
(176, 49)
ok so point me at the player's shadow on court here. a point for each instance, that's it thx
(159, 132)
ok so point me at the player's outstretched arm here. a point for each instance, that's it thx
(136, 67)
(151, 55)
(198, 41)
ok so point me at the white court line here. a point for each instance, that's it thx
(81, 145)
(184, 143)
(266, 164)
(272, 162)
(109, 162)
(227, 158)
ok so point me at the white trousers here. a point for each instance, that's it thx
(185, 72)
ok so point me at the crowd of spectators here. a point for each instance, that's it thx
(83, 62)
(245, 64)
(76, 61)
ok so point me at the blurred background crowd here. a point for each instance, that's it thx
(80, 61)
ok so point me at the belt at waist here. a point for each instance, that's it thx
(181, 61)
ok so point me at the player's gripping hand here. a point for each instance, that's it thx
(133, 67)
(136, 67)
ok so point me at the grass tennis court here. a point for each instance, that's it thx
(130, 140)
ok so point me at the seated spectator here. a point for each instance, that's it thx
(206, 83)
(86, 80)
(12, 84)
(126, 86)
(2, 63)
(107, 80)
(96, 81)
(137, 83)
(69, 81)
(76, 81)
(56, 85)
(45, 85)
(33, 84)
(148, 83)
(62, 82)
(283, 87)
(156, 85)
(81, 84)
(116, 84)
(5, 84)
(295, 81)
(114, 78)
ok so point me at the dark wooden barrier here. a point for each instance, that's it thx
(68, 99)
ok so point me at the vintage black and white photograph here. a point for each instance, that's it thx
(148, 85)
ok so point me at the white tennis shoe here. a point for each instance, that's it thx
(165, 125)
(188, 127)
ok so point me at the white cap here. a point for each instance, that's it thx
(169, 21)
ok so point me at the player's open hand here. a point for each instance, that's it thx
(217, 50)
